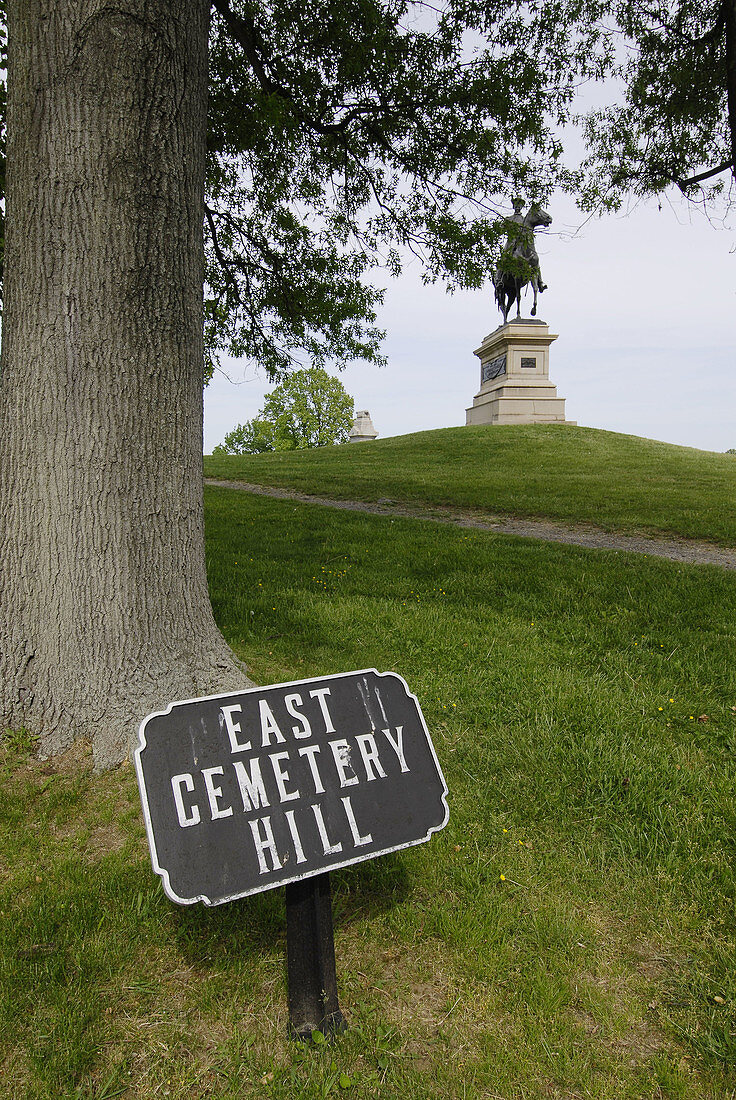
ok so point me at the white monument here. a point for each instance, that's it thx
(514, 377)
(362, 429)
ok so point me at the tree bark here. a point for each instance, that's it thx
(105, 609)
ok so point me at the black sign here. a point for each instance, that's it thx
(493, 368)
(530, 363)
(249, 791)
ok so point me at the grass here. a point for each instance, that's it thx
(569, 934)
(619, 482)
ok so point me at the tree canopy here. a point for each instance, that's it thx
(342, 136)
(308, 409)
(675, 124)
(346, 136)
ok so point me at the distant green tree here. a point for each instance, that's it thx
(309, 409)
(252, 438)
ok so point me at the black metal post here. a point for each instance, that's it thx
(310, 959)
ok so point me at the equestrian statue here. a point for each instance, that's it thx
(518, 265)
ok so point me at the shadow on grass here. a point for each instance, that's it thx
(369, 889)
(257, 924)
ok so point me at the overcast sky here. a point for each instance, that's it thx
(645, 309)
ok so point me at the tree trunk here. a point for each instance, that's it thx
(105, 609)
(730, 20)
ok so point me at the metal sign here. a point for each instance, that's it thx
(248, 791)
(493, 368)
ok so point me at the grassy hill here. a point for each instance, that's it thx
(569, 934)
(562, 472)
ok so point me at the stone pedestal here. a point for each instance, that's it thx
(514, 377)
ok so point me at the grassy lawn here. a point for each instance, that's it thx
(617, 481)
(569, 934)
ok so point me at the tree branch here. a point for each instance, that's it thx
(692, 180)
(221, 258)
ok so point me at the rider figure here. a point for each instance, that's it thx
(516, 217)
(520, 241)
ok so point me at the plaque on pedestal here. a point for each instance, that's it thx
(514, 377)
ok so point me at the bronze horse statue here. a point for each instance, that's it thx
(519, 263)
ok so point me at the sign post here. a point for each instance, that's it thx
(310, 958)
(276, 786)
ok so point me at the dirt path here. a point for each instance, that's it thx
(674, 548)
